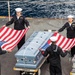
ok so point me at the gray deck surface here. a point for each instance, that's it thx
(8, 60)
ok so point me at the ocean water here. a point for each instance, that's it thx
(40, 8)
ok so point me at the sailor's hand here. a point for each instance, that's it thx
(66, 51)
(42, 51)
(29, 27)
(9, 51)
(56, 31)
(4, 25)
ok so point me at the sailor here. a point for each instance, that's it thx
(19, 23)
(70, 27)
(54, 57)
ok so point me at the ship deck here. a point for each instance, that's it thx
(8, 60)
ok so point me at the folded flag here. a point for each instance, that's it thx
(9, 38)
(62, 42)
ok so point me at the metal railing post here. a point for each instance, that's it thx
(9, 10)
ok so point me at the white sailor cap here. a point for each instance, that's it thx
(53, 38)
(18, 9)
(70, 16)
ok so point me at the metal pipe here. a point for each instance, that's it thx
(9, 10)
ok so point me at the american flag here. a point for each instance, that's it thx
(62, 42)
(9, 38)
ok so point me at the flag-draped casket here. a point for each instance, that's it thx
(29, 55)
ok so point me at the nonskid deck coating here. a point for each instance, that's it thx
(39, 24)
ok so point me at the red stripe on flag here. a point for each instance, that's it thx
(71, 44)
(49, 41)
(3, 33)
(11, 36)
(9, 33)
(61, 41)
(65, 43)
